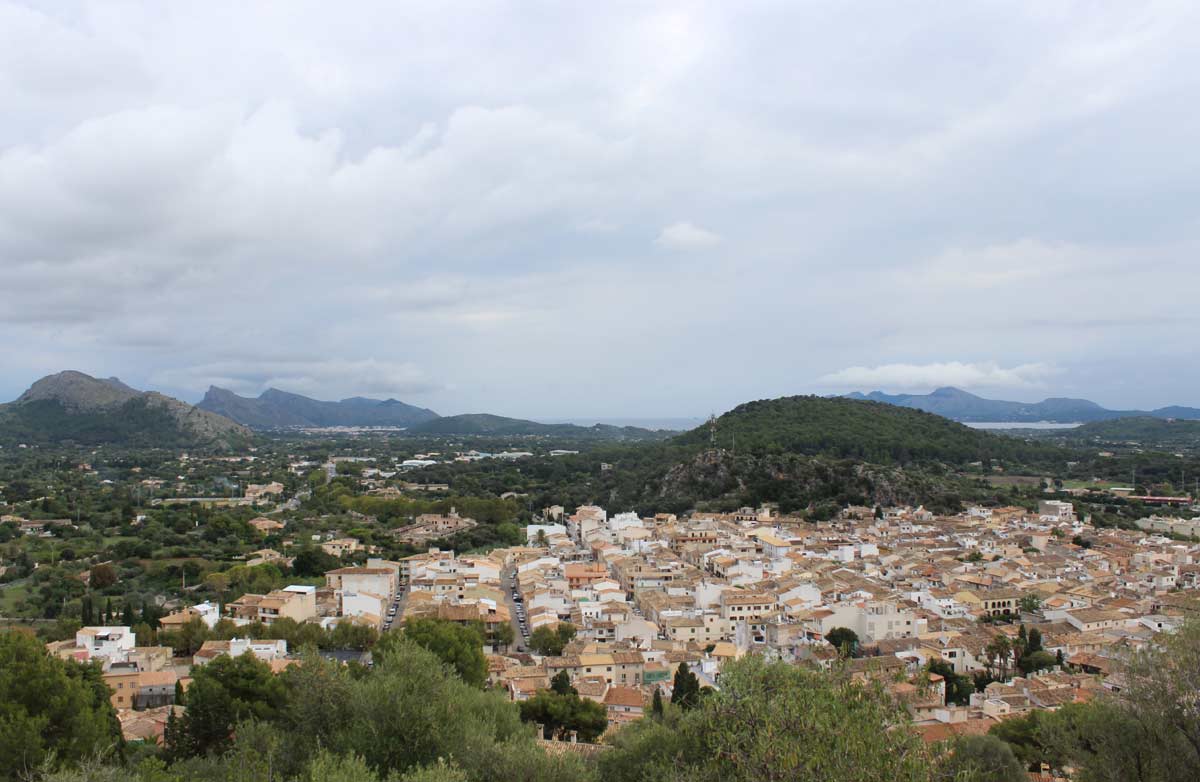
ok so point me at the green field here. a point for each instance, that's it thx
(1097, 485)
(10, 594)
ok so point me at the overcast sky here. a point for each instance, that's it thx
(570, 209)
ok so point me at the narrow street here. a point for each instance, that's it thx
(396, 610)
(508, 587)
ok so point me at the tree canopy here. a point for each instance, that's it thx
(50, 709)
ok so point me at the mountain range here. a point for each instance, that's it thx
(959, 405)
(275, 409)
(72, 406)
(486, 424)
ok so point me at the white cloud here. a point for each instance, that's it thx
(908, 377)
(686, 236)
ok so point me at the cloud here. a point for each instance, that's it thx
(332, 379)
(1023, 262)
(685, 236)
(485, 210)
(952, 373)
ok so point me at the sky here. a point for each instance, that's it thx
(568, 209)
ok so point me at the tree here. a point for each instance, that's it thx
(103, 576)
(312, 561)
(656, 705)
(560, 714)
(958, 687)
(1148, 731)
(501, 634)
(87, 614)
(560, 684)
(223, 693)
(1023, 734)
(459, 646)
(685, 691)
(1035, 641)
(998, 650)
(774, 721)
(1029, 603)
(1037, 661)
(549, 641)
(412, 709)
(844, 640)
(51, 710)
(983, 759)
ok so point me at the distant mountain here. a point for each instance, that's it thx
(484, 424)
(856, 429)
(960, 405)
(72, 406)
(275, 409)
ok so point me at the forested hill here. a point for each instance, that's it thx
(855, 429)
(1151, 434)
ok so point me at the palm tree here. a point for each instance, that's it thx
(999, 649)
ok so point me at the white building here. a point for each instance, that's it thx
(109, 643)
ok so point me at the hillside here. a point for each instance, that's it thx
(803, 453)
(74, 407)
(1146, 433)
(485, 424)
(275, 409)
(963, 406)
(856, 429)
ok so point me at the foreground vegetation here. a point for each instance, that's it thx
(412, 717)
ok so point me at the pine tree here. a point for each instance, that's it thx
(561, 684)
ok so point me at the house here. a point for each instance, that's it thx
(265, 650)
(429, 526)
(1089, 620)
(135, 689)
(1000, 602)
(583, 574)
(147, 726)
(107, 644)
(294, 602)
(266, 526)
(339, 547)
(257, 492)
(383, 581)
(208, 613)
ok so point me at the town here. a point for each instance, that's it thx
(1031, 609)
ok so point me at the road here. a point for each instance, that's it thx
(398, 604)
(507, 587)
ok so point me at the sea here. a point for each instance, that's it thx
(1020, 425)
